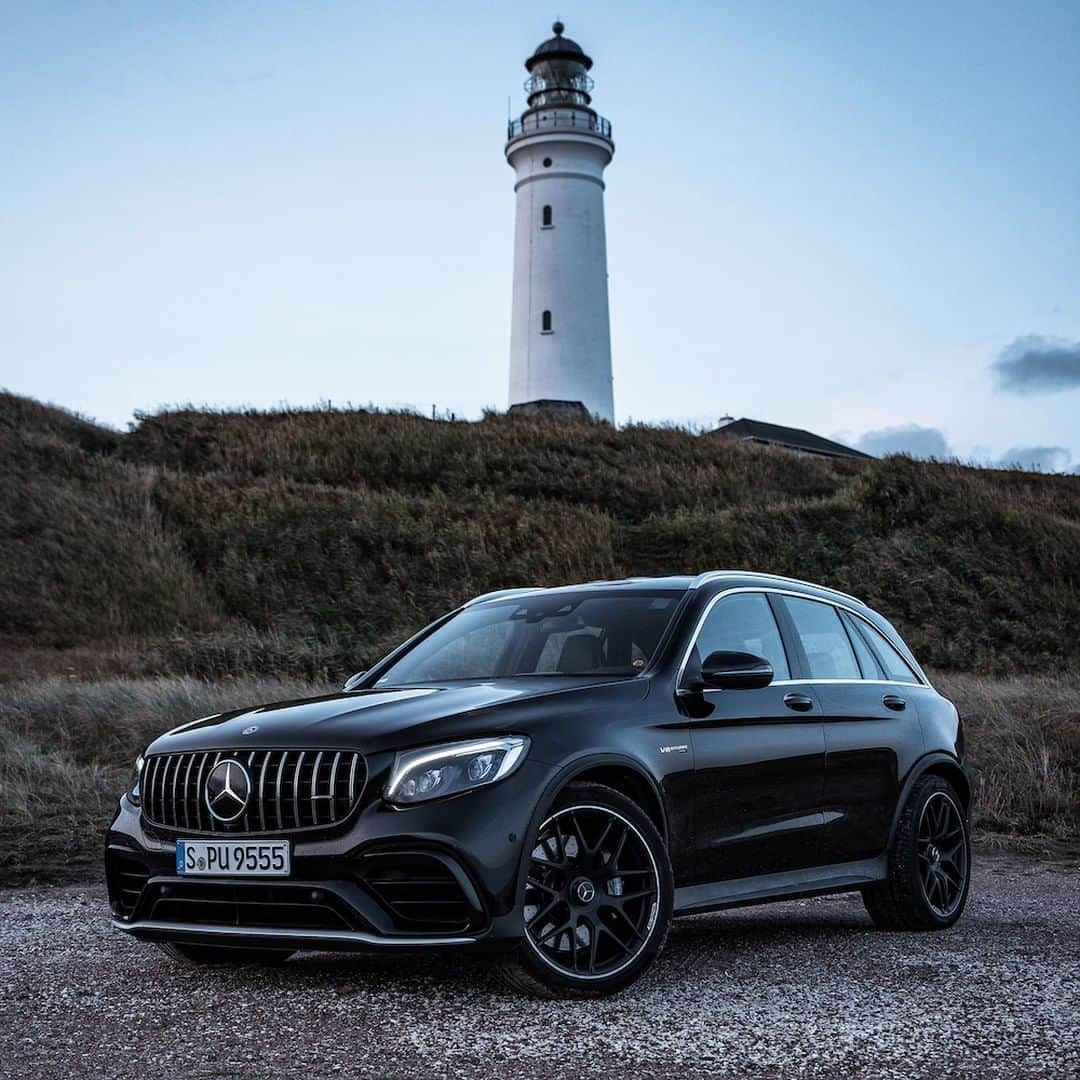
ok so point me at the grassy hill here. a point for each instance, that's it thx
(212, 559)
(302, 542)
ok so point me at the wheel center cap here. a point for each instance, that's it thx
(583, 890)
(935, 855)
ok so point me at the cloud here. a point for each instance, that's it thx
(919, 442)
(1036, 458)
(1038, 365)
(930, 442)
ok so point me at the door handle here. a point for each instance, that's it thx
(891, 701)
(798, 702)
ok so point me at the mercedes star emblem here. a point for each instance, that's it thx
(228, 788)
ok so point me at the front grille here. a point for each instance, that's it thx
(290, 789)
(420, 891)
(251, 906)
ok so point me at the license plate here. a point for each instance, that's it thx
(233, 858)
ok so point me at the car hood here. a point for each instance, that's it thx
(373, 720)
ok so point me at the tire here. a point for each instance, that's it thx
(206, 955)
(929, 863)
(588, 932)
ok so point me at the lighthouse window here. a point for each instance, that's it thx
(547, 163)
(545, 323)
(547, 217)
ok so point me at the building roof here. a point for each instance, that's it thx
(789, 438)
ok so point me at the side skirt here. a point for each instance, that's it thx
(815, 881)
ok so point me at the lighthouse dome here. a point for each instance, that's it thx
(559, 48)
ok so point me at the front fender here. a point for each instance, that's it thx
(577, 766)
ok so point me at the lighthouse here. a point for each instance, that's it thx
(560, 338)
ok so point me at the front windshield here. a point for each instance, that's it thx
(551, 633)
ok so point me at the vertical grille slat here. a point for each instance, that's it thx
(147, 783)
(154, 797)
(333, 786)
(261, 789)
(315, 789)
(280, 771)
(256, 799)
(176, 776)
(199, 792)
(352, 779)
(161, 786)
(185, 795)
(290, 789)
(164, 792)
(213, 821)
(177, 792)
(296, 788)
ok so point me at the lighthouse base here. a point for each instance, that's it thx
(571, 410)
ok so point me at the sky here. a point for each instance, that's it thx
(858, 218)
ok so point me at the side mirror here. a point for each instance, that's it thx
(353, 681)
(736, 671)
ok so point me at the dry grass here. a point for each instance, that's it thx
(303, 541)
(1023, 741)
(66, 751)
(66, 748)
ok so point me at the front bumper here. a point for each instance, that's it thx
(437, 875)
(281, 937)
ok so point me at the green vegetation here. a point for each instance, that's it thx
(206, 559)
(302, 543)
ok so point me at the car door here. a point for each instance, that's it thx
(759, 755)
(872, 731)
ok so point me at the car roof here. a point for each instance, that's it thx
(677, 583)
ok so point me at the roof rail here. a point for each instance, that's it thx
(712, 575)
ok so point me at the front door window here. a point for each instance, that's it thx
(743, 622)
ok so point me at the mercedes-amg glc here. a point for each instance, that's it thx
(553, 775)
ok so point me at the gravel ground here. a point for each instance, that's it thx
(804, 988)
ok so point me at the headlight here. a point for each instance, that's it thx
(436, 771)
(134, 794)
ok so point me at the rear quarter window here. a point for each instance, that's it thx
(897, 669)
(871, 669)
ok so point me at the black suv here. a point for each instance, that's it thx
(553, 774)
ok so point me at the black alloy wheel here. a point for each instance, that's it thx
(929, 862)
(597, 899)
(943, 855)
(592, 893)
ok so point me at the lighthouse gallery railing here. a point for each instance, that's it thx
(558, 120)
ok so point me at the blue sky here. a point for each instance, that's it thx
(863, 219)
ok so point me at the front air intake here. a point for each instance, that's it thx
(422, 891)
(278, 790)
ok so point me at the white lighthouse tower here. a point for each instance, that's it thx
(560, 339)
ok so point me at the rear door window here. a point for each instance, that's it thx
(824, 639)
